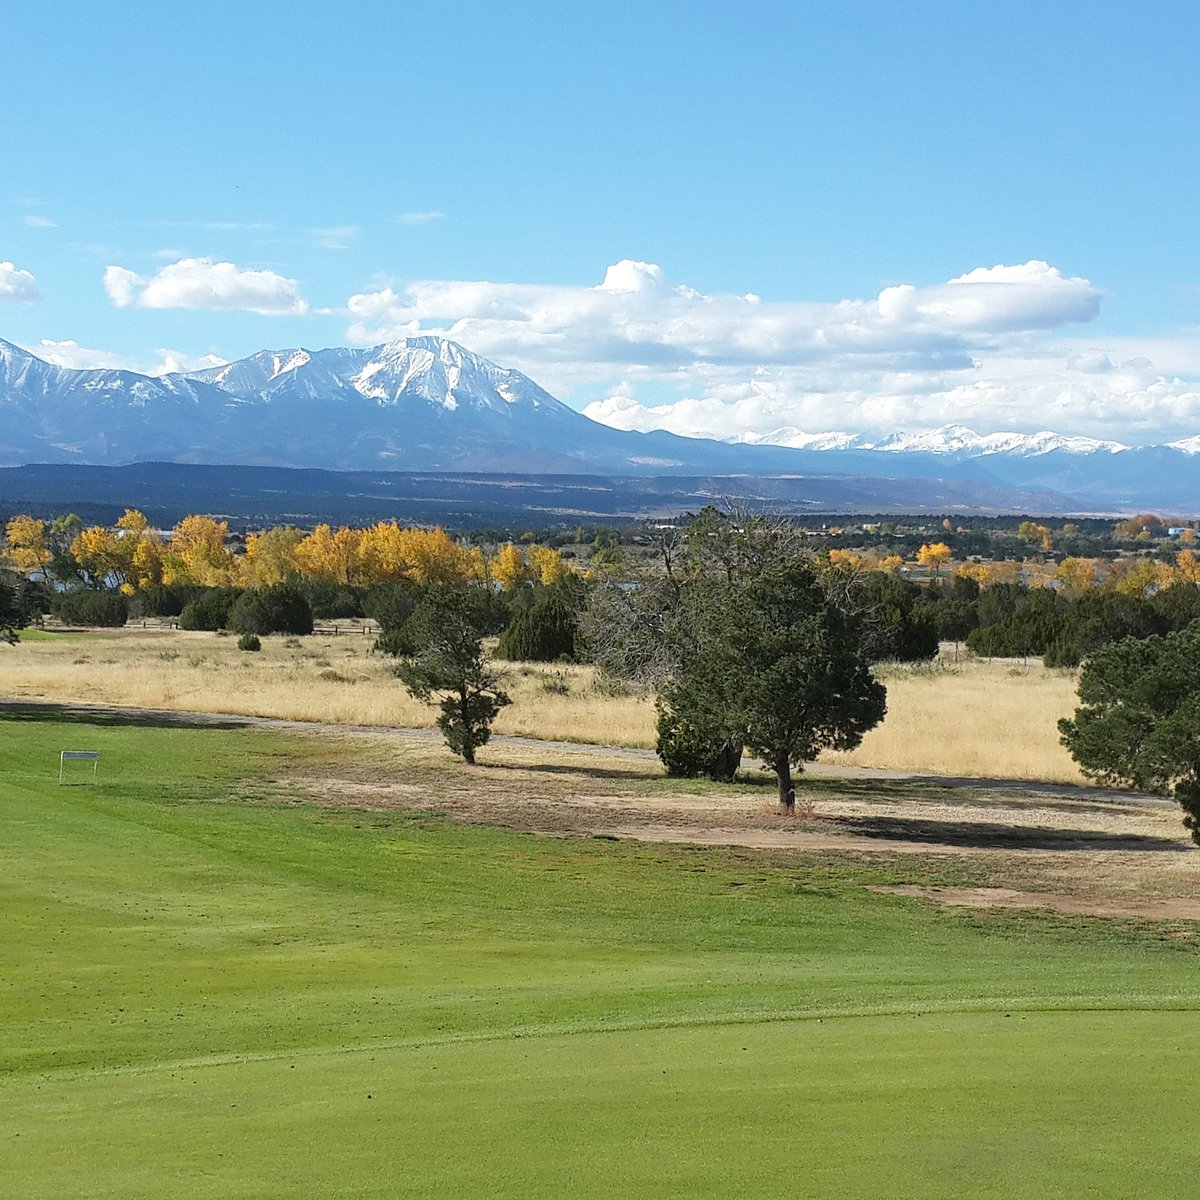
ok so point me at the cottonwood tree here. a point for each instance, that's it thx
(1138, 722)
(448, 665)
(935, 555)
(27, 547)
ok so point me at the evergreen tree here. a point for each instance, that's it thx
(779, 668)
(448, 664)
(1138, 722)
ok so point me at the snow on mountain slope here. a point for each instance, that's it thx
(427, 404)
(948, 440)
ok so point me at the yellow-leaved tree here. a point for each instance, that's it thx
(197, 553)
(1031, 531)
(1077, 575)
(850, 559)
(545, 564)
(27, 548)
(100, 556)
(935, 555)
(436, 558)
(383, 552)
(1140, 576)
(270, 556)
(509, 568)
(329, 556)
(1187, 567)
(141, 552)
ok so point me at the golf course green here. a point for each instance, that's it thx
(211, 988)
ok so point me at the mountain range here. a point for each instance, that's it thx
(425, 404)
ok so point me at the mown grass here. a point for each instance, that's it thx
(209, 997)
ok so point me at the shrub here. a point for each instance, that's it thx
(391, 604)
(166, 600)
(688, 750)
(482, 610)
(249, 641)
(210, 611)
(544, 633)
(83, 606)
(331, 599)
(278, 609)
(895, 628)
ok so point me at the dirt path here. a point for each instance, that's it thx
(822, 771)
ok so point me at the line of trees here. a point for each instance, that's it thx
(134, 558)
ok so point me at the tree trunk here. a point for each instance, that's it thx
(729, 758)
(464, 716)
(787, 793)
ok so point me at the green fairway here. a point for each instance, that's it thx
(208, 990)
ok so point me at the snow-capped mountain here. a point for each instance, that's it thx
(419, 404)
(949, 439)
(427, 404)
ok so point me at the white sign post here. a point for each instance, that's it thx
(92, 756)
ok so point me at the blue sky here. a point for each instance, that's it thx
(210, 179)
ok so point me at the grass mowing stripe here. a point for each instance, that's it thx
(1006, 1004)
(208, 998)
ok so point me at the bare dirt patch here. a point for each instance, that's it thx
(1063, 839)
(1079, 906)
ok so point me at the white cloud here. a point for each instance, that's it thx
(635, 317)
(988, 347)
(166, 362)
(335, 237)
(202, 283)
(17, 286)
(37, 222)
(420, 218)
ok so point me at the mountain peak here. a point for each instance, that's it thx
(426, 403)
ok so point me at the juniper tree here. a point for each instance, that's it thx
(1138, 722)
(780, 667)
(745, 646)
(447, 663)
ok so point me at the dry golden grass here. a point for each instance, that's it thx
(991, 719)
(318, 678)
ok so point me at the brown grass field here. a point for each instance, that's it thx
(971, 718)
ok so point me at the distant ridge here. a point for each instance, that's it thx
(426, 404)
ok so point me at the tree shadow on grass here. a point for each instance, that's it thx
(994, 835)
(935, 790)
(583, 769)
(15, 711)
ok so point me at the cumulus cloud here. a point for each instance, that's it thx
(634, 316)
(990, 347)
(17, 286)
(167, 362)
(202, 283)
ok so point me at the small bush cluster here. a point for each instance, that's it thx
(85, 606)
(279, 609)
(209, 611)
